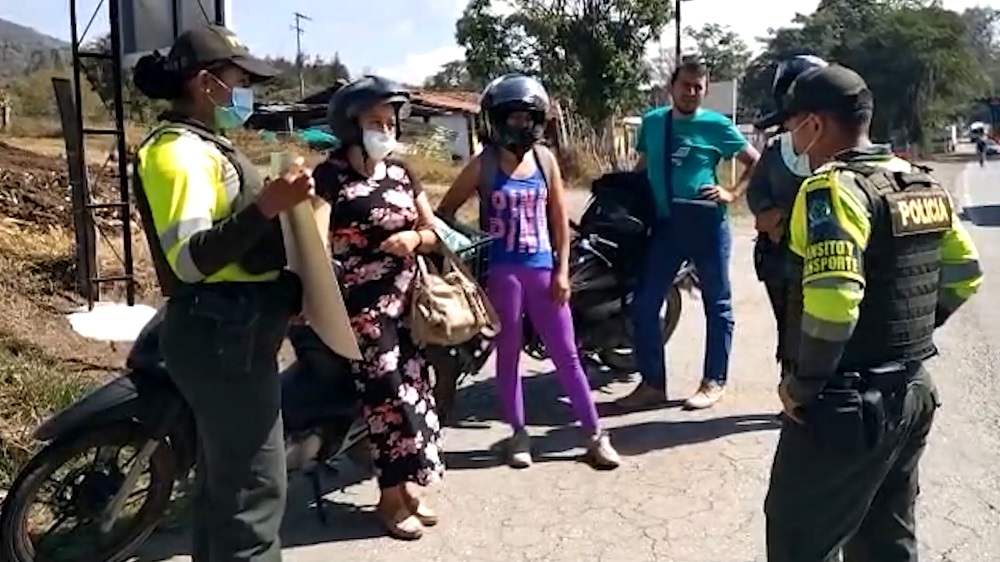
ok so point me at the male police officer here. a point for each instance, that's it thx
(883, 262)
(771, 192)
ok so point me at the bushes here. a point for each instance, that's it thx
(579, 167)
(432, 168)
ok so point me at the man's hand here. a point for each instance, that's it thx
(718, 194)
(402, 243)
(789, 405)
(560, 286)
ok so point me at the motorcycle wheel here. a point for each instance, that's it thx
(623, 359)
(83, 495)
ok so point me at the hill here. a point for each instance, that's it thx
(24, 50)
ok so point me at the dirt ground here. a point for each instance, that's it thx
(37, 269)
(36, 188)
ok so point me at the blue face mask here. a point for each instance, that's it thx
(235, 115)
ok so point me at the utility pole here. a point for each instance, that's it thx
(298, 50)
(677, 24)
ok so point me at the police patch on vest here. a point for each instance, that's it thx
(820, 220)
(919, 212)
(832, 256)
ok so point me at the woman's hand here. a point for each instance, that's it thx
(560, 286)
(286, 192)
(402, 243)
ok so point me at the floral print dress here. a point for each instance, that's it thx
(394, 379)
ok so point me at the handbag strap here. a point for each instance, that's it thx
(451, 259)
(422, 270)
(668, 157)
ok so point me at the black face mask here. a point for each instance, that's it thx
(518, 139)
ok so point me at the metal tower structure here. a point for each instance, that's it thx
(75, 134)
(69, 96)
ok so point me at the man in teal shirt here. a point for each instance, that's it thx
(680, 158)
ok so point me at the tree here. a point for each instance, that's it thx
(917, 57)
(726, 54)
(317, 73)
(453, 76)
(983, 28)
(584, 50)
(99, 73)
(491, 49)
(920, 66)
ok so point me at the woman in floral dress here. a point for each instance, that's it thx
(380, 219)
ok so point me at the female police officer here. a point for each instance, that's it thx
(219, 256)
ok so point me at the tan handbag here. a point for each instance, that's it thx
(449, 307)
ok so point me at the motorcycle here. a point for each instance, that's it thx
(137, 438)
(606, 252)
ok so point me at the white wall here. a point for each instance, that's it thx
(460, 126)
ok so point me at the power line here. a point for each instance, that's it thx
(298, 50)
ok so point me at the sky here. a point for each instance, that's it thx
(407, 40)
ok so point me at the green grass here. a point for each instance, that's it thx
(31, 388)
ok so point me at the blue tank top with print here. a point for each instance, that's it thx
(517, 213)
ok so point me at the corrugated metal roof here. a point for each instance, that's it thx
(463, 101)
(467, 102)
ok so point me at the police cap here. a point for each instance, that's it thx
(831, 88)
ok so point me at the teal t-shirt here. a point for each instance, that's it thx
(700, 141)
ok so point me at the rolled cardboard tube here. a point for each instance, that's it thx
(285, 163)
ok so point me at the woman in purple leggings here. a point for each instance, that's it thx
(522, 207)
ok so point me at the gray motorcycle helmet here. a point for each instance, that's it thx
(354, 98)
(786, 73)
(510, 93)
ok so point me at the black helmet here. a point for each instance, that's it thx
(786, 73)
(510, 93)
(354, 98)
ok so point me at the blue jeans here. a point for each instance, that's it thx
(702, 235)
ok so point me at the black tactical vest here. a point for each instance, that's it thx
(910, 214)
(267, 255)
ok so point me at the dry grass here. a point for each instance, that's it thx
(32, 385)
(32, 262)
(44, 365)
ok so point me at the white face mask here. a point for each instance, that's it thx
(797, 164)
(378, 144)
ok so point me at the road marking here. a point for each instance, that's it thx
(964, 182)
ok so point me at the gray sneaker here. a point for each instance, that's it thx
(601, 454)
(708, 395)
(519, 450)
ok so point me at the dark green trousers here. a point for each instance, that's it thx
(220, 346)
(821, 502)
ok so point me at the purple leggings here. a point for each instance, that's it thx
(515, 290)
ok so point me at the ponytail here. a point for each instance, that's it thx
(155, 80)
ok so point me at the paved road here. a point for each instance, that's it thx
(692, 485)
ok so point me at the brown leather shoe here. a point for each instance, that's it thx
(709, 393)
(427, 516)
(402, 524)
(643, 397)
